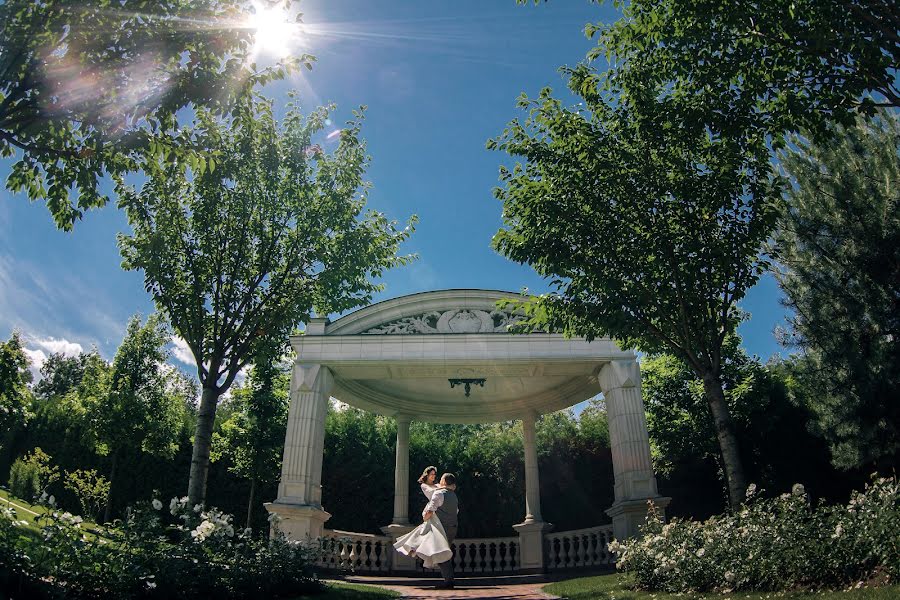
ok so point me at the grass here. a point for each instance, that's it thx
(350, 591)
(618, 587)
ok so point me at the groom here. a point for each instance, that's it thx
(445, 505)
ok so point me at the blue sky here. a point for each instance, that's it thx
(439, 79)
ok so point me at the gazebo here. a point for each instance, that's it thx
(446, 357)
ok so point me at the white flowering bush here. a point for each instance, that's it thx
(781, 543)
(184, 552)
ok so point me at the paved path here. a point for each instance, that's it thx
(521, 587)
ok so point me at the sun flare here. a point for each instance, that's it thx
(275, 33)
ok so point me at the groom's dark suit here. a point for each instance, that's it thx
(447, 513)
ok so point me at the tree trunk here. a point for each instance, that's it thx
(107, 513)
(250, 503)
(728, 444)
(206, 418)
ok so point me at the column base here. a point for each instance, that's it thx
(298, 522)
(531, 545)
(628, 516)
(400, 563)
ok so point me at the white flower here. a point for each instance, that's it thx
(751, 489)
(51, 501)
(701, 552)
(798, 489)
(157, 504)
(729, 576)
(198, 508)
(150, 584)
(838, 531)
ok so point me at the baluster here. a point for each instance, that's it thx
(345, 555)
(353, 555)
(502, 556)
(579, 556)
(473, 557)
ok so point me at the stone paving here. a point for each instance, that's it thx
(522, 587)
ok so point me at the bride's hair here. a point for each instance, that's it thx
(424, 477)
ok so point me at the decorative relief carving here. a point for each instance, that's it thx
(450, 321)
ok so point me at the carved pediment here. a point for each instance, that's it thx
(448, 321)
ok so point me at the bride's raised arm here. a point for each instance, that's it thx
(428, 490)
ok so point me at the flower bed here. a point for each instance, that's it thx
(177, 551)
(781, 543)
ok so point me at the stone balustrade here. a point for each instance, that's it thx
(367, 553)
(356, 552)
(578, 548)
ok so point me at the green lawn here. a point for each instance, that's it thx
(349, 591)
(617, 587)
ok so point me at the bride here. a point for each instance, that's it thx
(428, 541)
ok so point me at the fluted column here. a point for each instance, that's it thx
(401, 472)
(629, 441)
(532, 475)
(299, 502)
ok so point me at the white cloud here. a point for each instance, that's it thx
(58, 346)
(45, 347)
(37, 358)
(182, 351)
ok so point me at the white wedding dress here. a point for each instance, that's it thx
(428, 541)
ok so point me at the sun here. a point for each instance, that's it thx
(274, 32)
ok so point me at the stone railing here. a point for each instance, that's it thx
(357, 552)
(367, 553)
(488, 556)
(578, 548)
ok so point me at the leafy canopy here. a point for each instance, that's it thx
(84, 84)
(649, 225)
(239, 251)
(778, 65)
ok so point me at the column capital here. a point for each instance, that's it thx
(619, 374)
(307, 377)
(403, 418)
(530, 416)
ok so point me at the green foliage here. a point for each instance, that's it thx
(239, 251)
(488, 460)
(649, 224)
(91, 489)
(773, 65)
(154, 553)
(772, 544)
(251, 439)
(60, 374)
(15, 396)
(32, 474)
(838, 247)
(86, 85)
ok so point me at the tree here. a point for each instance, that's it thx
(649, 225)
(129, 407)
(838, 249)
(60, 374)
(252, 438)
(780, 65)
(15, 396)
(240, 253)
(84, 84)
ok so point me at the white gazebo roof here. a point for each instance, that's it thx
(397, 358)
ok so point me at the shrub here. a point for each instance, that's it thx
(31, 475)
(183, 553)
(90, 488)
(773, 544)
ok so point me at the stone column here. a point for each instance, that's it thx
(299, 503)
(401, 472)
(531, 530)
(635, 483)
(400, 524)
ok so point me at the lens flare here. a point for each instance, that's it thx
(274, 31)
